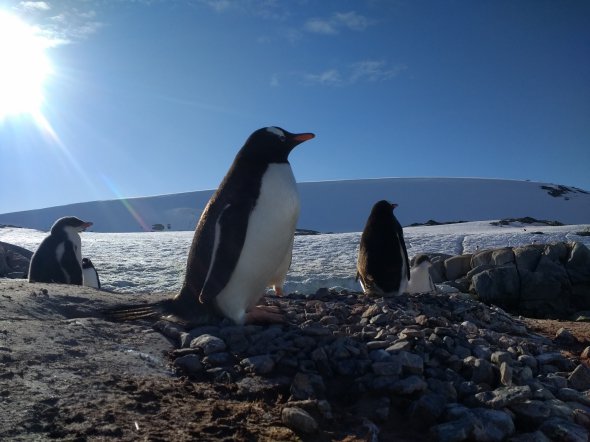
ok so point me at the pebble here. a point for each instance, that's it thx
(469, 371)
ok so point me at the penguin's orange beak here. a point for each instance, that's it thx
(86, 225)
(394, 205)
(300, 138)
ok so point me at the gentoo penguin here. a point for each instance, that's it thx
(383, 266)
(420, 280)
(89, 274)
(59, 256)
(243, 240)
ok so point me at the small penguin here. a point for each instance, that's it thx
(243, 240)
(420, 279)
(89, 274)
(383, 266)
(59, 256)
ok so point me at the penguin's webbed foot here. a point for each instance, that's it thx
(267, 314)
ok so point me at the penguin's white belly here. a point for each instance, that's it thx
(420, 281)
(269, 238)
(90, 278)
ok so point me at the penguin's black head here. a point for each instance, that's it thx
(272, 144)
(86, 263)
(383, 207)
(71, 223)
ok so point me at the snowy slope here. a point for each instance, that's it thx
(155, 262)
(341, 206)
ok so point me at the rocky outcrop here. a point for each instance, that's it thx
(14, 261)
(538, 280)
(464, 370)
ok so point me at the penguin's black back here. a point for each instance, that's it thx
(382, 249)
(45, 267)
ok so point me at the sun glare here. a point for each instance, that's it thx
(24, 67)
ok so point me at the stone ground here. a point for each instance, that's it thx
(66, 373)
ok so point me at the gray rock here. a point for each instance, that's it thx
(499, 285)
(208, 344)
(527, 257)
(189, 363)
(495, 425)
(528, 360)
(530, 413)
(498, 357)
(502, 256)
(299, 420)
(409, 385)
(562, 430)
(14, 261)
(557, 252)
(307, 386)
(569, 394)
(504, 396)
(261, 364)
(482, 258)
(505, 374)
(550, 358)
(454, 431)
(482, 371)
(580, 378)
(457, 266)
(578, 264)
(560, 409)
(410, 363)
(536, 436)
(392, 368)
(427, 409)
(218, 359)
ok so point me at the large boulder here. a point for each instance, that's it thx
(578, 264)
(498, 285)
(457, 266)
(14, 261)
(541, 280)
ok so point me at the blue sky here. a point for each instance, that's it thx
(155, 97)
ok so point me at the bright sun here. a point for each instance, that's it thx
(24, 67)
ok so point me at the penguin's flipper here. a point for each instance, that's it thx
(71, 265)
(400, 235)
(230, 235)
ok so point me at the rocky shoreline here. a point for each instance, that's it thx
(345, 367)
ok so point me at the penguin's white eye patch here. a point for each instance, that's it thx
(278, 132)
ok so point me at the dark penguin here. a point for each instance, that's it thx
(89, 274)
(243, 240)
(383, 265)
(59, 256)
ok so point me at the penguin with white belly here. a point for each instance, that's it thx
(243, 240)
(383, 267)
(59, 256)
(420, 279)
(89, 274)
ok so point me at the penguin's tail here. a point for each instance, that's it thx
(134, 312)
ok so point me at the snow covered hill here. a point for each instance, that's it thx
(342, 206)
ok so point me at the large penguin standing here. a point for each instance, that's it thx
(243, 240)
(383, 266)
(59, 256)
